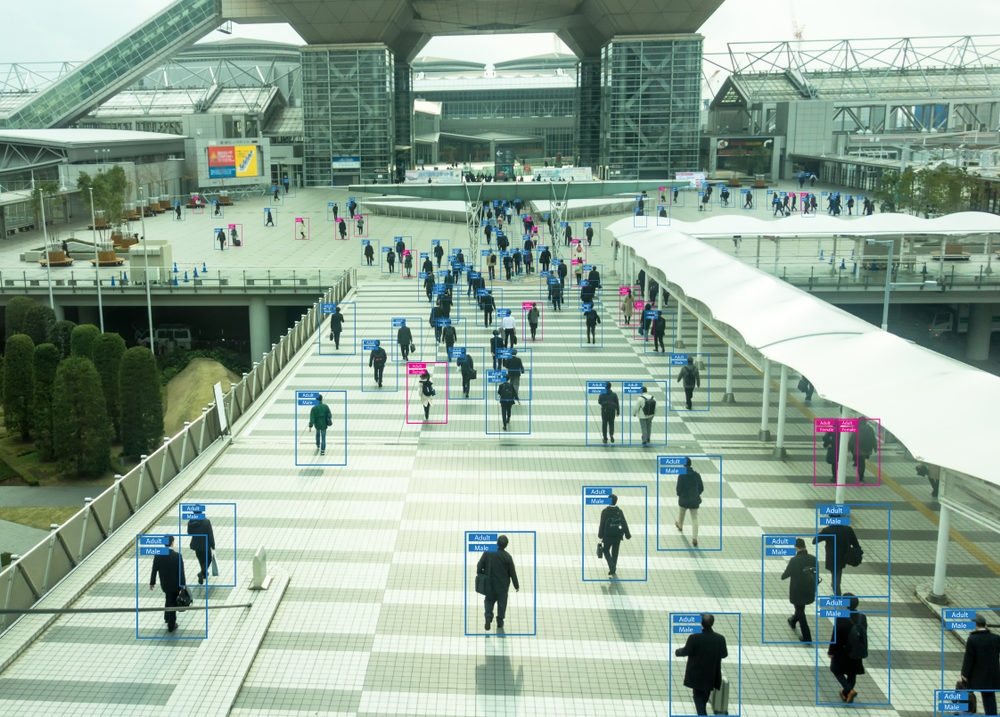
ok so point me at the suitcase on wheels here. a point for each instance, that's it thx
(719, 699)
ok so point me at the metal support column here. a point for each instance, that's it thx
(728, 396)
(679, 342)
(841, 461)
(941, 555)
(779, 443)
(764, 434)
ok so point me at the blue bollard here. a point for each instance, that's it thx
(852, 253)
(842, 264)
(924, 270)
(196, 272)
(855, 270)
(203, 268)
(175, 267)
(185, 277)
(175, 281)
(874, 266)
(821, 255)
(831, 260)
(124, 277)
(112, 280)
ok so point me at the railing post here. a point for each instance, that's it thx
(83, 533)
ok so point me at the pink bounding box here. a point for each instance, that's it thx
(525, 331)
(413, 371)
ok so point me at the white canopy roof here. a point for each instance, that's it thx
(849, 361)
(821, 224)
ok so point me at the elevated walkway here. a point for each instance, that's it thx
(117, 66)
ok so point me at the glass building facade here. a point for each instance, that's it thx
(650, 100)
(349, 110)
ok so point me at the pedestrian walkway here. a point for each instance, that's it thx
(380, 597)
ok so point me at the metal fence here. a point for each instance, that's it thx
(28, 578)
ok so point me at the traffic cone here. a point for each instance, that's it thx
(203, 269)
(196, 272)
(175, 281)
(185, 277)
(124, 277)
(175, 267)
(112, 280)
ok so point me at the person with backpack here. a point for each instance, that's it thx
(981, 664)
(404, 337)
(320, 419)
(376, 360)
(468, 369)
(690, 377)
(861, 445)
(659, 331)
(801, 570)
(336, 326)
(612, 528)
(608, 403)
(592, 319)
(645, 409)
(425, 390)
(533, 320)
(848, 650)
(842, 549)
(689, 490)
(705, 651)
(507, 395)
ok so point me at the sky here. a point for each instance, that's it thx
(84, 28)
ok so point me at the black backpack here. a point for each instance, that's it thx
(427, 389)
(649, 407)
(614, 528)
(857, 638)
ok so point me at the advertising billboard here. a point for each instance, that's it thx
(233, 161)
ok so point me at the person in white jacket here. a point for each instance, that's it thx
(645, 409)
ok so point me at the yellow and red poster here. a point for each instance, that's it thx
(235, 161)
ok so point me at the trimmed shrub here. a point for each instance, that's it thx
(14, 315)
(46, 363)
(38, 323)
(81, 341)
(108, 349)
(141, 402)
(81, 430)
(19, 384)
(60, 336)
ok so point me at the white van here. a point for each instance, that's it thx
(171, 337)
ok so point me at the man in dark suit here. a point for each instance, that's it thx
(170, 568)
(801, 569)
(202, 542)
(705, 651)
(499, 567)
(981, 666)
(838, 539)
(612, 529)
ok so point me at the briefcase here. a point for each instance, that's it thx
(482, 583)
(719, 699)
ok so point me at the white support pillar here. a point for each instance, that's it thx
(764, 434)
(779, 444)
(941, 555)
(679, 343)
(728, 396)
(698, 344)
(842, 441)
(260, 327)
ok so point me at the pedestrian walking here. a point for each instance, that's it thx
(555, 291)
(177, 210)
(404, 337)
(376, 360)
(689, 490)
(608, 402)
(407, 262)
(491, 265)
(425, 391)
(589, 234)
(438, 254)
(645, 410)
(533, 319)
(369, 254)
(170, 570)
(449, 335)
(336, 326)
(466, 365)
(202, 543)
(659, 331)
(801, 571)
(429, 284)
(234, 237)
(488, 306)
(221, 237)
(981, 664)
(610, 531)
(807, 388)
(268, 219)
(320, 419)
(496, 343)
(831, 442)
(690, 377)
(544, 257)
(861, 445)
(848, 650)
(628, 307)
(562, 271)
(507, 396)
(842, 549)
(515, 367)
(705, 651)
(509, 332)
(342, 229)
(498, 567)
(390, 259)
(591, 319)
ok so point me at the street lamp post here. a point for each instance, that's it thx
(889, 283)
(145, 256)
(97, 261)
(45, 249)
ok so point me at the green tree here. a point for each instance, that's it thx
(141, 402)
(61, 333)
(943, 189)
(110, 190)
(81, 341)
(46, 362)
(38, 323)
(108, 350)
(15, 314)
(81, 431)
(19, 384)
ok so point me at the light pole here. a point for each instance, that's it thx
(889, 283)
(97, 260)
(145, 256)
(45, 248)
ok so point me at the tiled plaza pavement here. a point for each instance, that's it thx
(374, 619)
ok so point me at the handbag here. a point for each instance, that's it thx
(215, 566)
(473, 375)
(853, 555)
(600, 550)
(413, 348)
(184, 598)
(482, 581)
(973, 703)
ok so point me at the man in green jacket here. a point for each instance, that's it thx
(320, 419)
